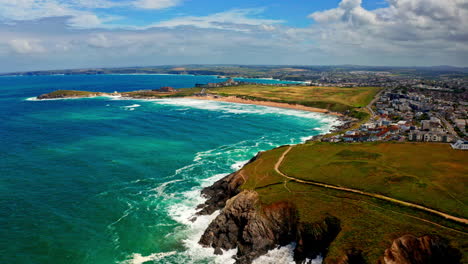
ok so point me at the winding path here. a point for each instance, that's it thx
(378, 196)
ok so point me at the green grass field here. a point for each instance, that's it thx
(433, 175)
(429, 174)
(332, 98)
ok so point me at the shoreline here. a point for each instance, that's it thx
(227, 99)
(233, 99)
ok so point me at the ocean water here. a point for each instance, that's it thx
(104, 180)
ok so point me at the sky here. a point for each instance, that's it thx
(64, 34)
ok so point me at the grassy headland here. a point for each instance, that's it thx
(69, 94)
(428, 174)
(335, 99)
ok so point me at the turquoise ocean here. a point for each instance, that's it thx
(106, 180)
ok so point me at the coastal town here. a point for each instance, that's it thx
(420, 113)
(406, 109)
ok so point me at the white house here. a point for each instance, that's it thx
(460, 144)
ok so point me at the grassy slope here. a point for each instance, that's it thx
(147, 93)
(433, 175)
(367, 224)
(332, 98)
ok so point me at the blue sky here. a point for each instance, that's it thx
(55, 34)
(293, 12)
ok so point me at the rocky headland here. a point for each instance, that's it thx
(65, 94)
(253, 227)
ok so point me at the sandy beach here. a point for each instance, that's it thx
(233, 99)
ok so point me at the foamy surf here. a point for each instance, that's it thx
(327, 122)
(238, 108)
(137, 258)
(132, 106)
(238, 165)
(283, 255)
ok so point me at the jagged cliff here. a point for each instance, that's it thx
(254, 228)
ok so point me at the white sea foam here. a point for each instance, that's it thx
(237, 108)
(137, 258)
(327, 122)
(132, 106)
(184, 213)
(160, 190)
(304, 139)
(283, 255)
(209, 181)
(238, 165)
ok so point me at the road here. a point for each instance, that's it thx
(376, 97)
(449, 126)
(378, 196)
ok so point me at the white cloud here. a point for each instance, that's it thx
(37, 9)
(25, 46)
(81, 12)
(416, 27)
(99, 41)
(94, 4)
(156, 4)
(231, 19)
(407, 32)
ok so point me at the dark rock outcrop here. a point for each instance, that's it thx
(253, 232)
(313, 239)
(222, 190)
(218, 193)
(352, 256)
(254, 229)
(409, 249)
